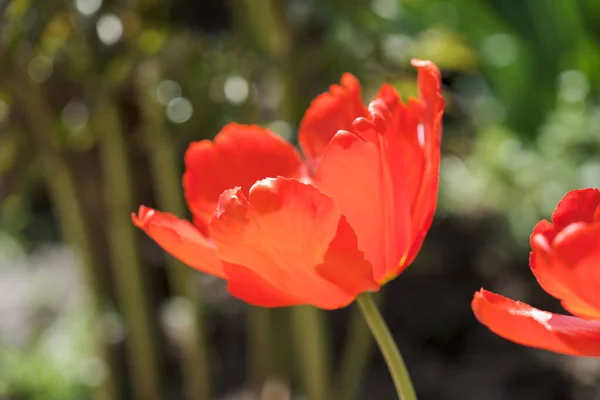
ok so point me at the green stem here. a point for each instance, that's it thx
(310, 337)
(132, 279)
(355, 356)
(260, 358)
(397, 368)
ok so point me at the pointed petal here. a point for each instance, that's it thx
(531, 327)
(291, 236)
(328, 113)
(239, 155)
(179, 238)
(425, 201)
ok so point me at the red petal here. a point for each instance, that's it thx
(424, 200)
(291, 236)
(576, 255)
(544, 228)
(250, 287)
(383, 176)
(529, 326)
(329, 113)
(365, 174)
(179, 238)
(239, 155)
(576, 206)
(565, 254)
(557, 280)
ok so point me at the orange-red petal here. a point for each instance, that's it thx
(179, 238)
(531, 327)
(424, 200)
(328, 113)
(365, 174)
(249, 286)
(577, 206)
(565, 260)
(292, 237)
(239, 155)
(392, 159)
(553, 278)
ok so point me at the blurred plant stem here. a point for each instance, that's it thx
(131, 278)
(355, 355)
(385, 340)
(167, 182)
(66, 201)
(311, 338)
(260, 360)
(265, 24)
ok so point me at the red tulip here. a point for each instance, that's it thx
(565, 257)
(352, 215)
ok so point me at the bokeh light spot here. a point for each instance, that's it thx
(88, 7)
(573, 86)
(500, 50)
(179, 110)
(40, 68)
(167, 90)
(236, 89)
(388, 9)
(281, 128)
(75, 116)
(109, 28)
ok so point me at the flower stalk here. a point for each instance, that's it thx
(391, 354)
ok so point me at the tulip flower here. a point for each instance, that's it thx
(565, 255)
(285, 231)
(320, 230)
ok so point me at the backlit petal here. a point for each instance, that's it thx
(365, 174)
(253, 289)
(328, 113)
(424, 198)
(239, 155)
(392, 161)
(291, 236)
(529, 326)
(576, 206)
(179, 238)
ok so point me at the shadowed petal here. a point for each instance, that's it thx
(328, 113)
(291, 236)
(554, 284)
(179, 238)
(239, 155)
(529, 326)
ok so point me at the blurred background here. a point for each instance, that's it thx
(98, 101)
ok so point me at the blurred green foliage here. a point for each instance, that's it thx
(522, 83)
(59, 365)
